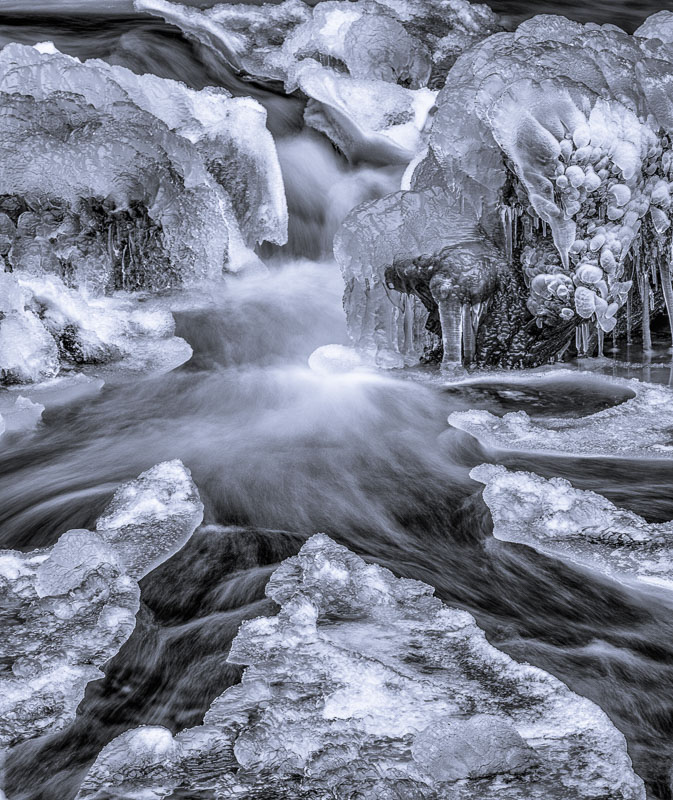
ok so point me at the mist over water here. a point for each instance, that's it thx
(279, 451)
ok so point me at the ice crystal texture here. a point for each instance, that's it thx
(69, 608)
(365, 685)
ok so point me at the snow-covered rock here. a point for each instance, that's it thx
(70, 607)
(366, 686)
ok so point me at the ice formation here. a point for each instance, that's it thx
(47, 327)
(639, 427)
(367, 68)
(580, 526)
(366, 686)
(69, 608)
(556, 140)
(387, 299)
(115, 181)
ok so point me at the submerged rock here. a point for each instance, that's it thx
(70, 607)
(366, 686)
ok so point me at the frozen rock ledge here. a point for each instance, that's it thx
(578, 526)
(70, 607)
(366, 686)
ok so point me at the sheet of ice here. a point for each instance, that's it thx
(578, 526)
(640, 427)
(68, 608)
(366, 686)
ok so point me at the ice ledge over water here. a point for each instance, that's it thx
(366, 686)
(639, 427)
(70, 607)
(579, 526)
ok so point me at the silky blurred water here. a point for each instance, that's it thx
(279, 452)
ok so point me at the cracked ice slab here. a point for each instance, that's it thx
(366, 685)
(70, 607)
(638, 428)
(579, 526)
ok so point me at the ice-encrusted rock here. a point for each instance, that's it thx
(365, 66)
(640, 426)
(47, 327)
(366, 686)
(368, 120)
(126, 181)
(400, 299)
(556, 139)
(68, 608)
(579, 526)
(410, 42)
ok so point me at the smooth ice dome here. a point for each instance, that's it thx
(334, 358)
(73, 605)
(365, 685)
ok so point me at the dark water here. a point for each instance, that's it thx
(279, 452)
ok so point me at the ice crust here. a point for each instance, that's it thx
(70, 607)
(579, 526)
(366, 686)
(640, 427)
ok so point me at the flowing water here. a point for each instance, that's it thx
(279, 452)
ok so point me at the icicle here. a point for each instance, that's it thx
(451, 319)
(667, 289)
(600, 334)
(645, 295)
(585, 338)
(468, 334)
(506, 219)
(578, 341)
(629, 320)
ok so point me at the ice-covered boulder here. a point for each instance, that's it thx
(365, 685)
(556, 139)
(640, 426)
(121, 181)
(68, 608)
(365, 66)
(579, 526)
